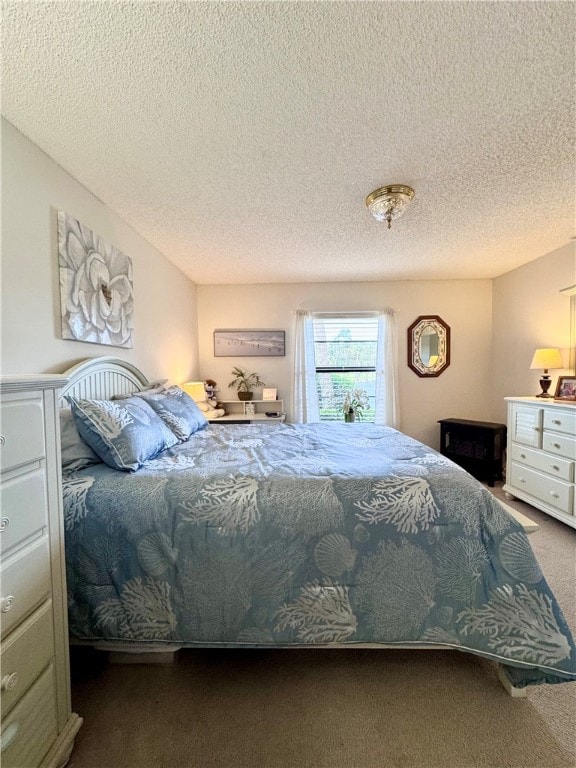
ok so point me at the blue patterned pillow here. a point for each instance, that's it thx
(124, 434)
(177, 409)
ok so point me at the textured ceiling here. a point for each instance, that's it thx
(241, 139)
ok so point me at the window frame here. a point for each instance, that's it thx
(334, 369)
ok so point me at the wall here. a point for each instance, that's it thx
(521, 310)
(530, 312)
(466, 305)
(34, 189)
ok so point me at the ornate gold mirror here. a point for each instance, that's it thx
(428, 345)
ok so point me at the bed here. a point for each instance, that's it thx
(315, 535)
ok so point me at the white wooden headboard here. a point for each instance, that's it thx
(98, 378)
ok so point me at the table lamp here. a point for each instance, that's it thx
(546, 359)
(195, 389)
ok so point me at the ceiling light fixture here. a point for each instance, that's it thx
(389, 202)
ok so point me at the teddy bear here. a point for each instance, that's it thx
(210, 407)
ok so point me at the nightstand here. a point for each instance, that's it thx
(251, 412)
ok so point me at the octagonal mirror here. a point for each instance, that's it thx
(428, 345)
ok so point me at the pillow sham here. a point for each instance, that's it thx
(124, 434)
(76, 453)
(154, 388)
(177, 409)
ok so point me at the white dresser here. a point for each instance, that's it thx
(541, 455)
(38, 726)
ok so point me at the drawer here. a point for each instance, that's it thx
(23, 503)
(559, 445)
(22, 424)
(25, 584)
(25, 653)
(30, 729)
(560, 422)
(554, 492)
(557, 467)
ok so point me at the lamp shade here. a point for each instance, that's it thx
(195, 389)
(546, 358)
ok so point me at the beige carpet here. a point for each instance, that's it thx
(330, 709)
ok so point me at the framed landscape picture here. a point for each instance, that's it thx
(249, 343)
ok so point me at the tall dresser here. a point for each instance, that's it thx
(38, 726)
(541, 455)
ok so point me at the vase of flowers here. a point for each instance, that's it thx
(354, 404)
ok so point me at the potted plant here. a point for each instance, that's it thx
(354, 404)
(245, 382)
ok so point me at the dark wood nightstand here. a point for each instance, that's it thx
(477, 446)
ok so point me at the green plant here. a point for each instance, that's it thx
(245, 382)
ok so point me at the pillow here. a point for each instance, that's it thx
(124, 434)
(76, 454)
(154, 388)
(177, 410)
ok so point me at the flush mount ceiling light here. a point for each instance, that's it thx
(389, 202)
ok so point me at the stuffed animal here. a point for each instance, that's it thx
(210, 407)
(210, 387)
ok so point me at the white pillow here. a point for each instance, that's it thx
(76, 453)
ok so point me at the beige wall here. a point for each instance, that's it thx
(34, 189)
(496, 325)
(466, 305)
(530, 312)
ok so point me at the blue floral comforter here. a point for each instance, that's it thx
(307, 535)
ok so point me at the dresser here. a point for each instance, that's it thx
(38, 726)
(541, 455)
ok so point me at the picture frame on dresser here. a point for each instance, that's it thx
(566, 389)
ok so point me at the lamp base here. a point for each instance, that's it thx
(545, 382)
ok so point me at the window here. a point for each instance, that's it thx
(337, 353)
(345, 351)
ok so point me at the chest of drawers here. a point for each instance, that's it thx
(541, 455)
(38, 726)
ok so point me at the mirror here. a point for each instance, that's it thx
(571, 291)
(428, 345)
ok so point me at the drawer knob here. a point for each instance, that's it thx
(556, 421)
(556, 445)
(554, 495)
(9, 682)
(8, 736)
(2, 439)
(521, 479)
(555, 468)
(522, 455)
(6, 603)
(4, 523)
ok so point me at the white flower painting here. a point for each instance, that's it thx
(96, 290)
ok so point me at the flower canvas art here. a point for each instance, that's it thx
(96, 289)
